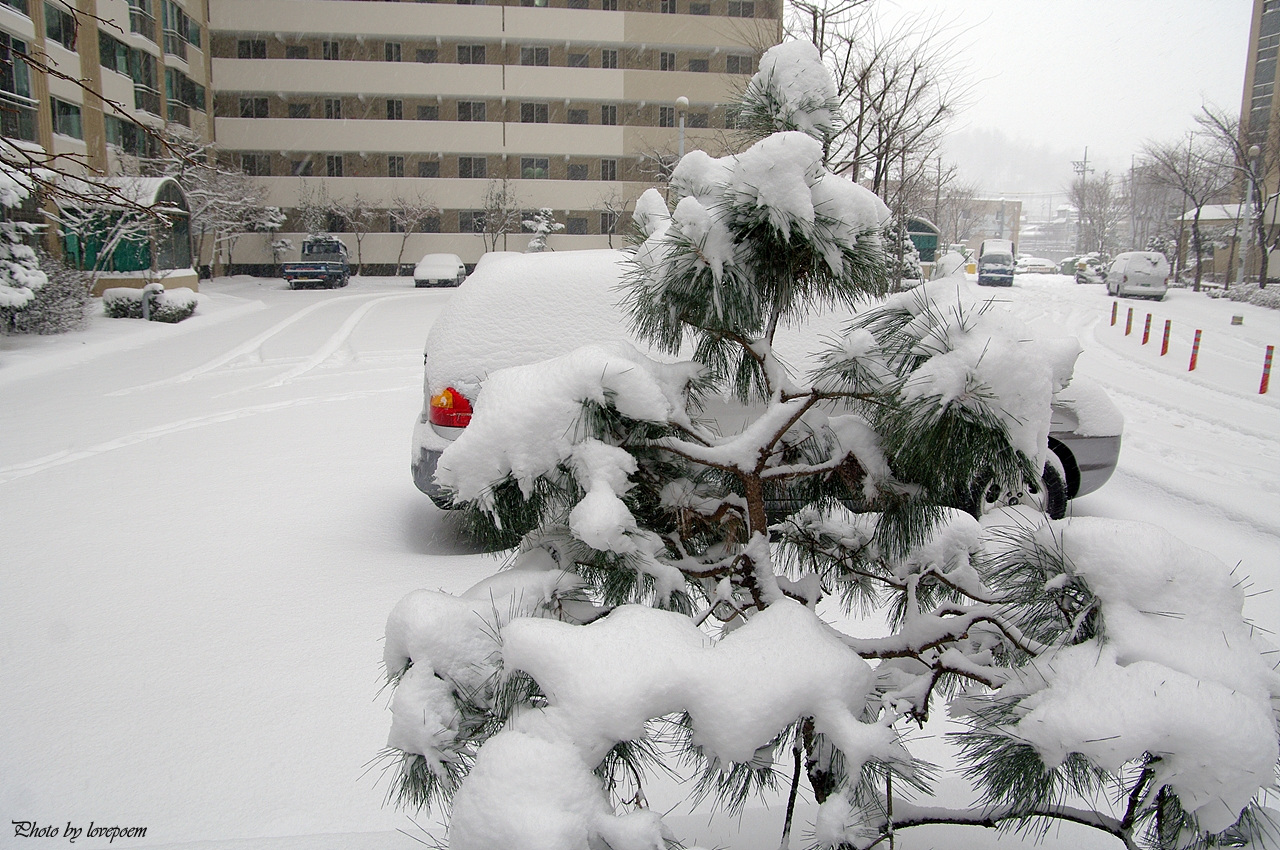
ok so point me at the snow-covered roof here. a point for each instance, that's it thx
(152, 192)
(1214, 212)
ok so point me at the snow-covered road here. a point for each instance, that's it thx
(205, 526)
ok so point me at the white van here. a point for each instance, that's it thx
(1144, 274)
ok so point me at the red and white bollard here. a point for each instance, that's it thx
(1128, 323)
(1195, 352)
(1266, 370)
(1164, 346)
(1146, 330)
(1115, 305)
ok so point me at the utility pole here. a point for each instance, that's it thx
(1082, 169)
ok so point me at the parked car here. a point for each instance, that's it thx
(1035, 265)
(510, 313)
(1090, 269)
(439, 270)
(324, 263)
(1143, 274)
(1067, 265)
(995, 263)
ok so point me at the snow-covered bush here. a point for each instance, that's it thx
(542, 223)
(1251, 293)
(57, 307)
(163, 305)
(687, 530)
(20, 274)
(901, 254)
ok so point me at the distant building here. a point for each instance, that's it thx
(995, 219)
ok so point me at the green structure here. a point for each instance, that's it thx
(116, 237)
(924, 235)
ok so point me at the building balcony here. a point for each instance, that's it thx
(18, 117)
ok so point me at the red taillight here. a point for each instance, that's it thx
(450, 408)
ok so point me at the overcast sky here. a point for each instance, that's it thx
(1051, 77)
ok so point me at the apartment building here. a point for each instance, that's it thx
(147, 58)
(574, 102)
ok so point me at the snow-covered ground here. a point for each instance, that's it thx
(205, 526)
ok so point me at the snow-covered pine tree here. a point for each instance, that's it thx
(901, 255)
(664, 596)
(20, 274)
(542, 223)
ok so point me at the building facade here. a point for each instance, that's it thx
(571, 105)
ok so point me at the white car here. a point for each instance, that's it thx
(1035, 265)
(439, 270)
(1143, 274)
(514, 310)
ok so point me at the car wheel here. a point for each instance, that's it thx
(1048, 495)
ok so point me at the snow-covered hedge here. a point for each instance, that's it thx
(170, 306)
(56, 307)
(1251, 293)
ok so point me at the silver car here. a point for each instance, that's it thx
(513, 310)
(1142, 274)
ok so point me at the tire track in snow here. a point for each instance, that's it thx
(250, 346)
(330, 346)
(24, 469)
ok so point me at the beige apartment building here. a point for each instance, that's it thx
(573, 102)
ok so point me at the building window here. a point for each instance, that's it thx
(535, 168)
(431, 224)
(393, 225)
(666, 61)
(17, 6)
(254, 107)
(578, 116)
(533, 113)
(475, 167)
(428, 55)
(395, 166)
(141, 20)
(666, 116)
(608, 58)
(332, 107)
(112, 53)
(608, 169)
(428, 169)
(699, 8)
(392, 51)
(329, 49)
(66, 118)
(256, 164)
(737, 65)
(471, 221)
(299, 110)
(535, 56)
(175, 24)
(699, 66)
(608, 222)
(578, 4)
(731, 118)
(471, 110)
(667, 7)
(579, 60)
(697, 120)
(470, 54)
(301, 167)
(333, 165)
(578, 172)
(609, 5)
(251, 48)
(742, 9)
(609, 114)
(395, 110)
(296, 51)
(60, 26)
(428, 113)
(576, 226)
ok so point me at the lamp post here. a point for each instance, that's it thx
(682, 106)
(1250, 166)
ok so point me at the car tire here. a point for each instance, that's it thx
(1048, 495)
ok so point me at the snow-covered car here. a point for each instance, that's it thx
(1035, 265)
(1141, 274)
(512, 312)
(439, 270)
(1090, 269)
(1067, 265)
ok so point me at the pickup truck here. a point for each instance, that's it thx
(324, 263)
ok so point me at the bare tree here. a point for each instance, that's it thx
(358, 216)
(315, 208)
(1250, 166)
(501, 212)
(1101, 207)
(408, 215)
(1193, 167)
(615, 206)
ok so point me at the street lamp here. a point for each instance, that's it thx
(1250, 167)
(682, 106)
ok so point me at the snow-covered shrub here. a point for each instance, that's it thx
(57, 307)
(163, 305)
(1251, 293)
(667, 577)
(542, 223)
(901, 254)
(20, 274)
